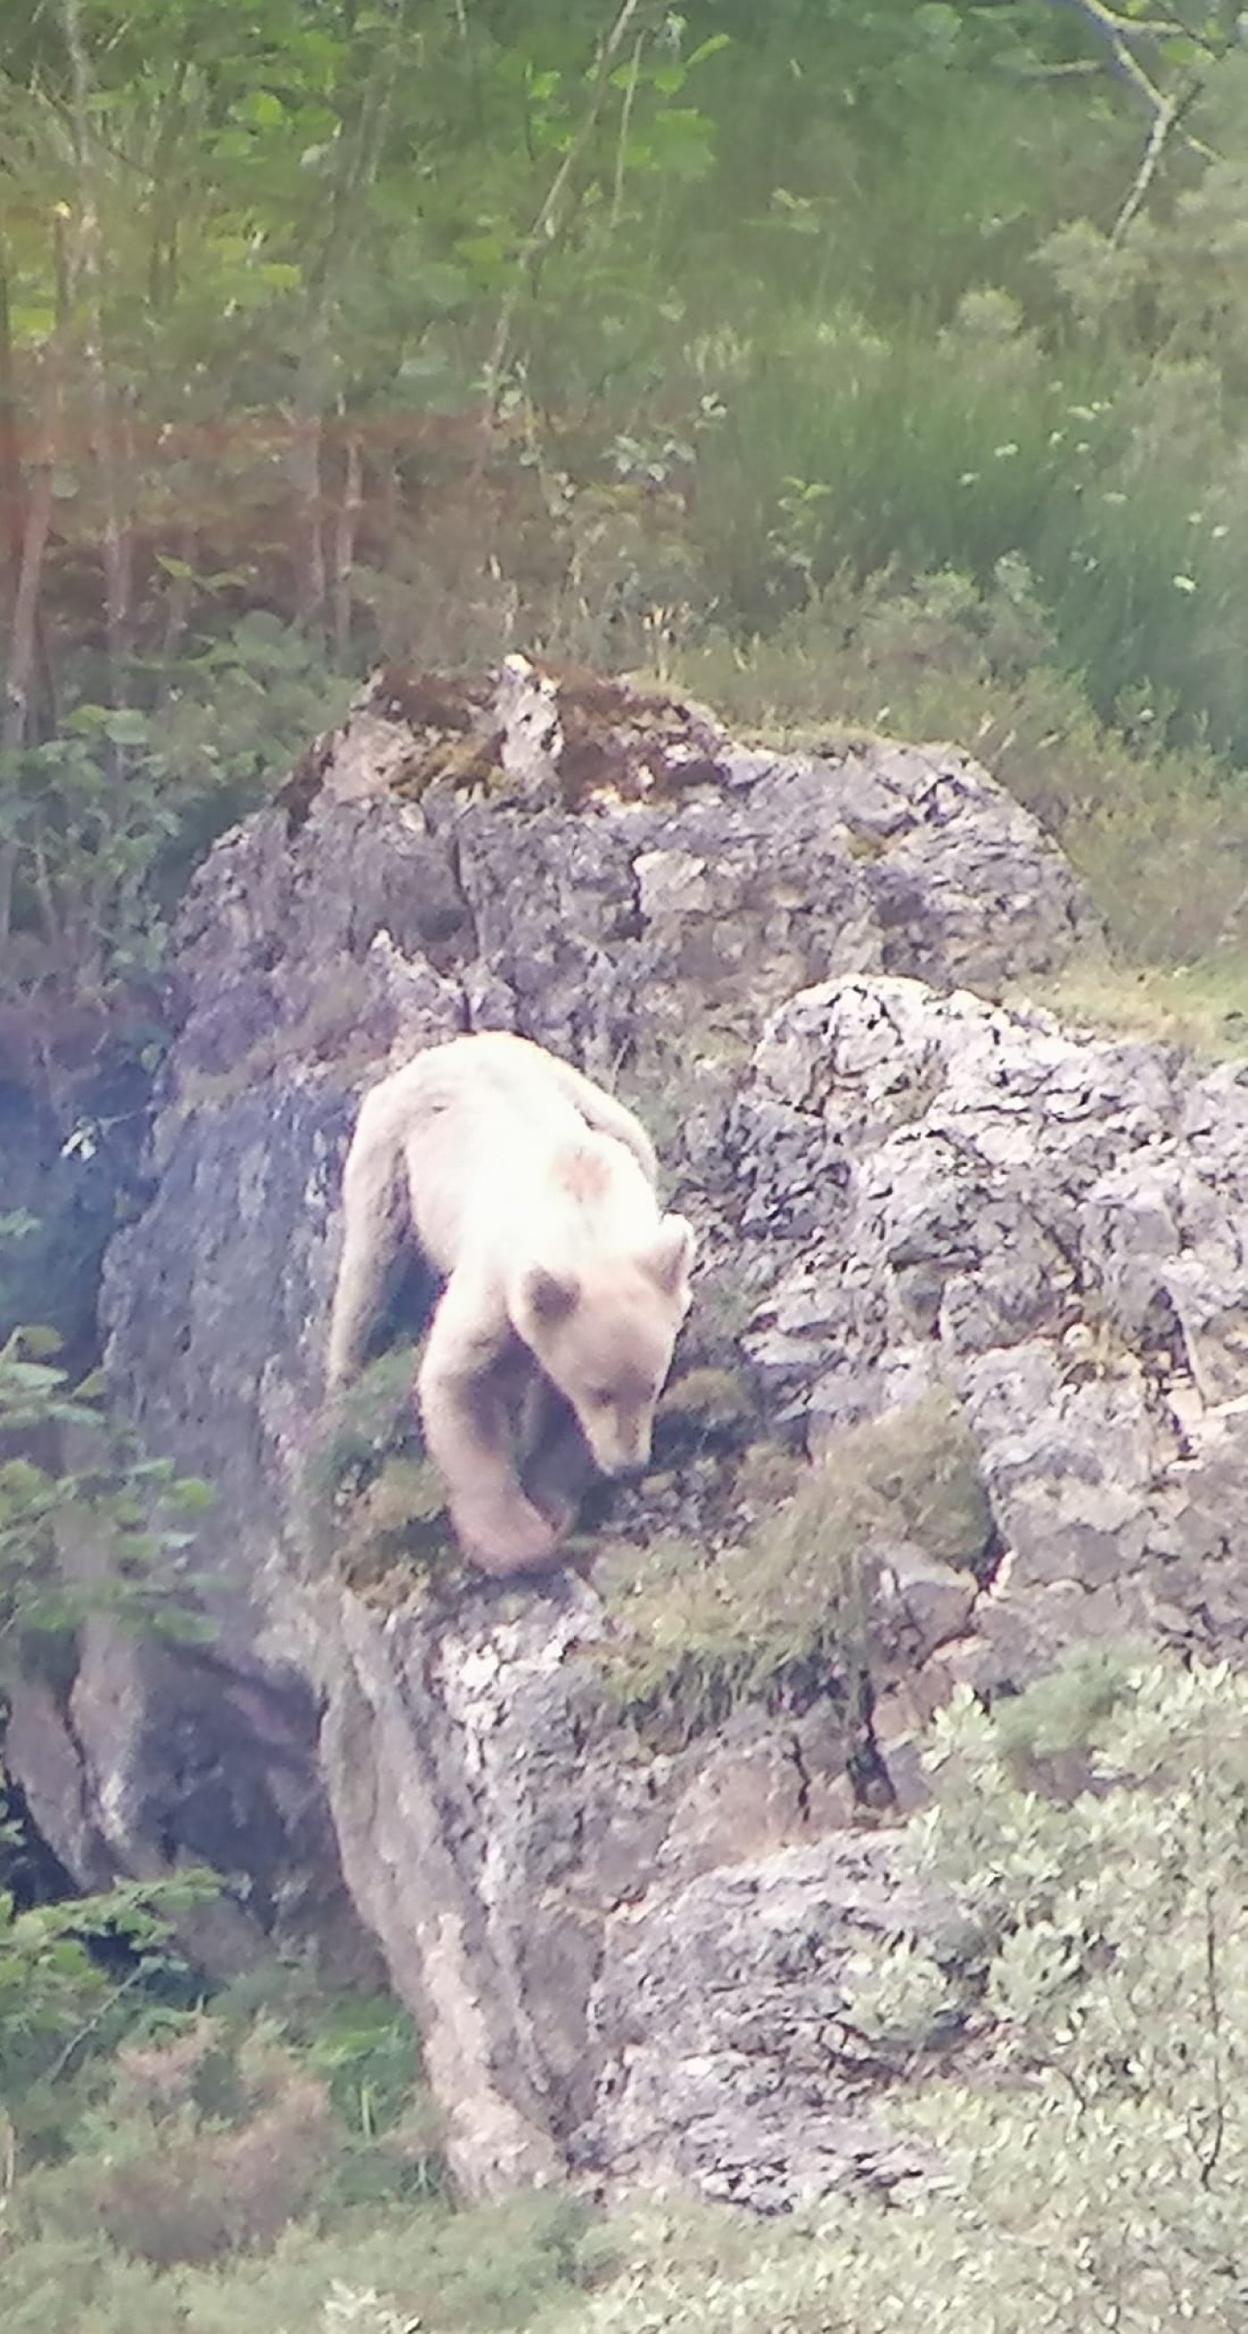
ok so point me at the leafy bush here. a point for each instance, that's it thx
(166, 2181)
(190, 2135)
(107, 818)
(483, 2271)
(1089, 2159)
(87, 1537)
(73, 1978)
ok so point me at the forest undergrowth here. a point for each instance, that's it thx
(871, 364)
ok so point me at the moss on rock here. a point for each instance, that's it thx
(785, 1614)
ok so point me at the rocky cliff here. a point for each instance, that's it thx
(619, 1835)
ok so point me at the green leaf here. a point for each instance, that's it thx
(279, 275)
(708, 48)
(126, 727)
(36, 1338)
(233, 146)
(261, 108)
(193, 1495)
(32, 322)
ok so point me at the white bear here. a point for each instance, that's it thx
(533, 1194)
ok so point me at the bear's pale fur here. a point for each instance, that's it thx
(532, 1193)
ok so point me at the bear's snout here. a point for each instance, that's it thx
(619, 1455)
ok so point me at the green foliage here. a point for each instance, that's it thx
(1087, 2165)
(376, 1505)
(1202, 1009)
(705, 1407)
(87, 1527)
(63, 2007)
(95, 1534)
(371, 1417)
(481, 2271)
(477, 326)
(182, 2134)
(1067, 1710)
(1114, 1995)
(787, 1610)
(106, 818)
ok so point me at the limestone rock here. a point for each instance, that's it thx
(630, 1961)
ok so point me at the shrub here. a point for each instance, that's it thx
(1090, 2154)
(64, 2006)
(219, 2128)
(174, 2189)
(490, 2270)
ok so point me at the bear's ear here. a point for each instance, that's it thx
(670, 1259)
(550, 1296)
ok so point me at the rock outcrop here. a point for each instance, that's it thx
(628, 1950)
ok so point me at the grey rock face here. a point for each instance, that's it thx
(727, 2001)
(1053, 1226)
(629, 1961)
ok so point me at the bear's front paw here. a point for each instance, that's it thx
(560, 1513)
(520, 1540)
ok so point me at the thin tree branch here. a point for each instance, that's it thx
(544, 224)
(93, 2023)
(1118, 32)
(34, 536)
(17, 685)
(1165, 28)
(361, 162)
(116, 593)
(344, 546)
(1160, 28)
(179, 602)
(170, 125)
(303, 466)
(36, 525)
(1165, 122)
(626, 115)
(10, 445)
(1208, 2155)
(1213, 1995)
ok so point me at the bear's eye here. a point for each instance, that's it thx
(600, 1397)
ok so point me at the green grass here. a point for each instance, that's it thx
(789, 1607)
(1200, 1008)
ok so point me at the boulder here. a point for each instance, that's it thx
(628, 1950)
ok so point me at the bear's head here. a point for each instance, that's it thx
(604, 1336)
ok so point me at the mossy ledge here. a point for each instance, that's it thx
(785, 1614)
